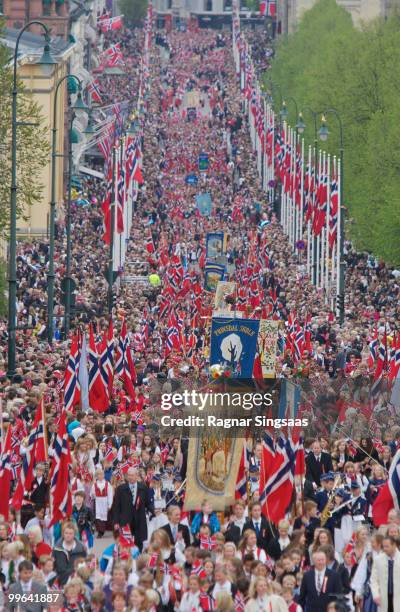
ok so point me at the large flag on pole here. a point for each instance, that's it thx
(5, 474)
(389, 494)
(28, 461)
(72, 391)
(123, 363)
(278, 462)
(98, 392)
(60, 489)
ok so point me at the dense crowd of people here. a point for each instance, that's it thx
(126, 476)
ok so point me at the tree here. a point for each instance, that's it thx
(32, 146)
(329, 63)
(134, 11)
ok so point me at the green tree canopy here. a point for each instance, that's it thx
(32, 145)
(329, 63)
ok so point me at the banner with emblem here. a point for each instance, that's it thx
(234, 345)
(267, 346)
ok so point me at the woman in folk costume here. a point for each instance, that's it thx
(84, 465)
(102, 494)
(248, 546)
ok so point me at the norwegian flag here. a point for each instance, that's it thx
(172, 335)
(72, 388)
(381, 363)
(60, 487)
(94, 90)
(150, 244)
(299, 342)
(153, 559)
(198, 570)
(126, 538)
(28, 459)
(207, 602)
(395, 360)
(6, 474)
(300, 467)
(263, 7)
(277, 476)
(98, 392)
(107, 358)
(121, 198)
(113, 23)
(207, 543)
(333, 212)
(111, 455)
(389, 494)
(270, 8)
(241, 481)
(112, 56)
(40, 446)
(136, 169)
(373, 346)
(320, 207)
(239, 602)
(130, 152)
(123, 364)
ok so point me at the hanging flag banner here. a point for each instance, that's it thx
(225, 289)
(203, 162)
(214, 245)
(234, 345)
(204, 204)
(267, 346)
(289, 399)
(213, 273)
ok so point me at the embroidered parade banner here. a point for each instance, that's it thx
(204, 204)
(214, 245)
(267, 345)
(213, 273)
(234, 345)
(213, 465)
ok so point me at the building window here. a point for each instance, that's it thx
(1, 6)
(208, 5)
(169, 4)
(227, 5)
(243, 4)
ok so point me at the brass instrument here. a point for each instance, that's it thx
(327, 510)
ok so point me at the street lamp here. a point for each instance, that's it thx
(323, 134)
(323, 131)
(300, 125)
(284, 110)
(79, 105)
(45, 60)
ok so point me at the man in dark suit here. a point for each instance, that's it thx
(319, 584)
(174, 528)
(234, 529)
(258, 523)
(317, 463)
(131, 501)
(26, 586)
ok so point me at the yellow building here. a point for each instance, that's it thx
(40, 82)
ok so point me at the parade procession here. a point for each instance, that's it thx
(199, 359)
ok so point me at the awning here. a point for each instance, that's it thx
(90, 172)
